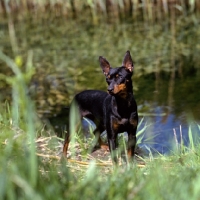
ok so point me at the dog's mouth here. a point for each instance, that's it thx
(119, 90)
(111, 92)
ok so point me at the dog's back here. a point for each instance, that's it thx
(90, 104)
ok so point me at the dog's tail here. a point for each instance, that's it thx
(66, 145)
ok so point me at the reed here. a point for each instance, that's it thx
(147, 10)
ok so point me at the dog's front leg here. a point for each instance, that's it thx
(112, 130)
(131, 143)
(112, 142)
(132, 134)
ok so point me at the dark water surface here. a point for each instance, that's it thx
(65, 57)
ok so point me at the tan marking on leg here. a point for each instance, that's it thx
(115, 125)
(134, 122)
(65, 147)
(130, 153)
(103, 145)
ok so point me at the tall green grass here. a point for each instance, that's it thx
(31, 166)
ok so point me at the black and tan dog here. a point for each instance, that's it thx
(114, 111)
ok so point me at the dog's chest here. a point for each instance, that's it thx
(123, 121)
(122, 110)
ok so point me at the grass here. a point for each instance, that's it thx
(32, 168)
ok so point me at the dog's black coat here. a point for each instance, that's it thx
(115, 111)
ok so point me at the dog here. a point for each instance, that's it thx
(115, 110)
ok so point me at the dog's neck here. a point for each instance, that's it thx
(122, 106)
(130, 87)
(120, 100)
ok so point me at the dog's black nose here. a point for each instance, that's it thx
(110, 90)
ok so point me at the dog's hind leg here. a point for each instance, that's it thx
(97, 142)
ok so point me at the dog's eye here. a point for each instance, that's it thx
(108, 77)
(117, 75)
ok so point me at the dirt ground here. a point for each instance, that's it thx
(51, 148)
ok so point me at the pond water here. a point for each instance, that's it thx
(65, 57)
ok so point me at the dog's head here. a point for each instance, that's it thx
(119, 78)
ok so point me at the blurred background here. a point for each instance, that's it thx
(62, 39)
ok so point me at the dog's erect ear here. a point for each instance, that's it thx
(128, 62)
(105, 65)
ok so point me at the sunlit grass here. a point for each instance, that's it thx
(161, 177)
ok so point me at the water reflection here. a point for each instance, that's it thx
(163, 134)
(170, 108)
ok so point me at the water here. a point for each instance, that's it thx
(65, 55)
